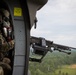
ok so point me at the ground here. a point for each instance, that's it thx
(72, 66)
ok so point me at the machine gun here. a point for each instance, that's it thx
(40, 46)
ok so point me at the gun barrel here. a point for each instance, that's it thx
(51, 44)
(64, 47)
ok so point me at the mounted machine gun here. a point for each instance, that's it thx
(40, 46)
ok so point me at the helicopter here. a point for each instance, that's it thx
(22, 18)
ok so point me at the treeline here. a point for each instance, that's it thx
(51, 62)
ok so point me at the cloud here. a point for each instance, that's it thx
(57, 22)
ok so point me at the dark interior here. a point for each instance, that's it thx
(10, 53)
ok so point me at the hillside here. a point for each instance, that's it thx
(52, 63)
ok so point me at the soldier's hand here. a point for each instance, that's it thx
(11, 43)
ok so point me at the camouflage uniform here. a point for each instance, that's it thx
(6, 43)
(1, 71)
(5, 46)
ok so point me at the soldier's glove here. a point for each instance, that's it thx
(11, 44)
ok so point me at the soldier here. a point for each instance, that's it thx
(6, 40)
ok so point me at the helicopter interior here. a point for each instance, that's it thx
(8, 55)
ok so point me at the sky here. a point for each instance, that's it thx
(57, 22)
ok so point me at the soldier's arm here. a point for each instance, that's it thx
(7, 46)
(11, 44)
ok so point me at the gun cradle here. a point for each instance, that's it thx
(41, 47)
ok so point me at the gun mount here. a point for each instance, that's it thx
(41, 46)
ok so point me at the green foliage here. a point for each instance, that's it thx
(65, 71)
(52, 63)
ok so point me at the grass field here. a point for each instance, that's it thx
(66, 70)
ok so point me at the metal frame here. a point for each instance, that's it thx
(27, 31)
(22, 36)
(22, 25)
